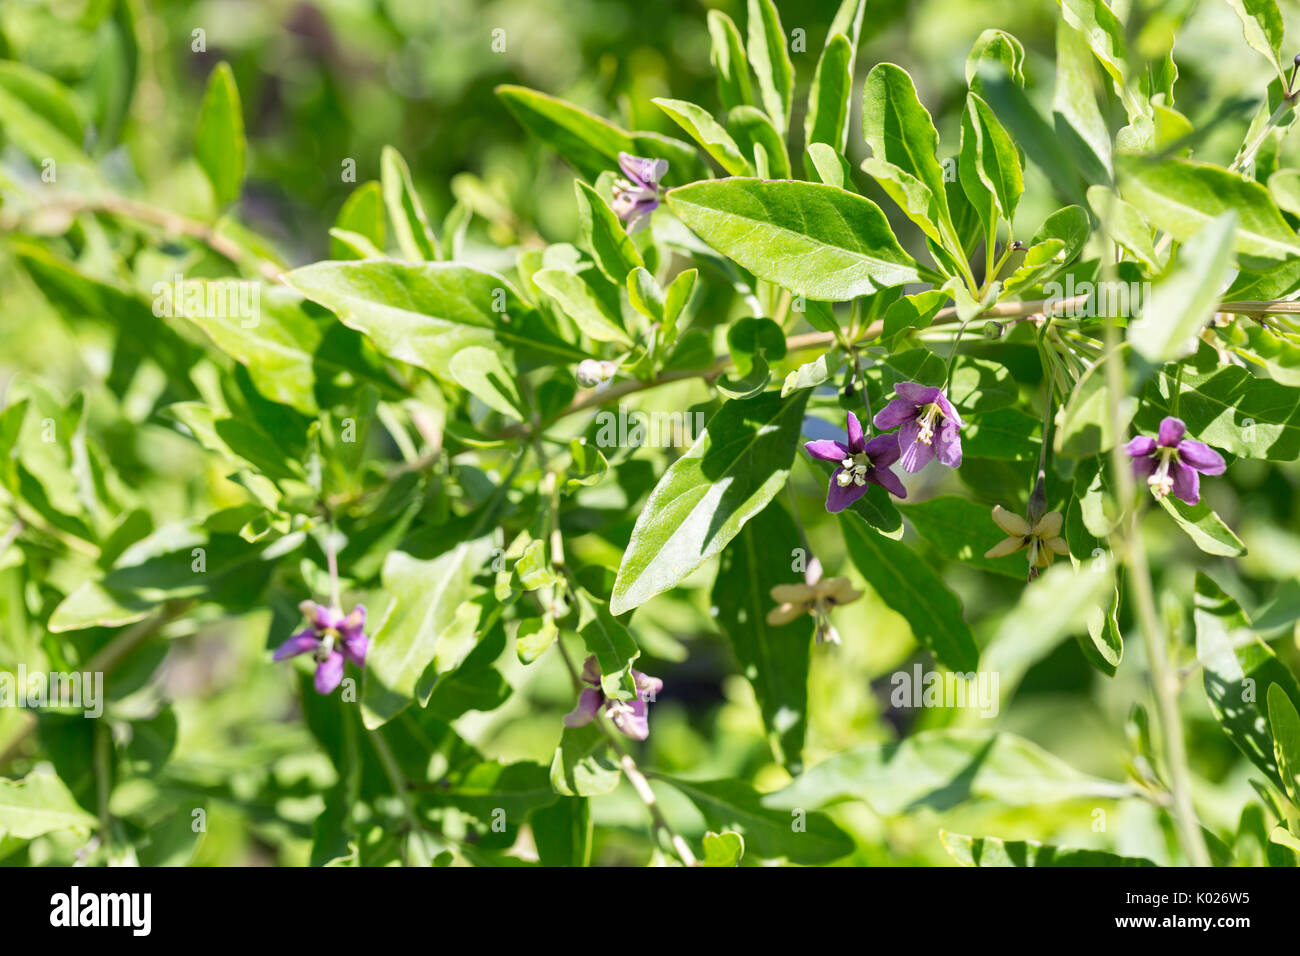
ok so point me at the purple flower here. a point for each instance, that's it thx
(637, 196)
(860, 463)
(629, 716)
(925, 415)
(330, 638)
(1171, 463)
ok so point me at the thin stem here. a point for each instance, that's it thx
(1164, 682)
(634, 775)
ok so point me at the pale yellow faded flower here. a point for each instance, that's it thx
(1042, 538)
(816, 599)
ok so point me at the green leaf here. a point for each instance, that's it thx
(730, 64)
(1261, 22)
(1285, 725)
(601, 234)
(1182, 304)
(606, 637)
(1227, 407)
(484, 790)
(563, 832)
(579, 301)
(723, 849)
(363, 215)
(750, 127)
(911, 588)
(430, 603)
(990, 851)
(989, 157)
(942, 769)
(773, 658)
(1204, 527)
(769, 834)
(38, 804)
(1077, 117)
(582, 766)
(1007, 434)
(40, 115)
(1238, 669)
(1124, 224)
(424, 314)
(706, 131)
(705, 497)
(219, 143)
(481, 372)
(1182, 197)
(961, 530)
(816, 241)
(905, 150)
(264, 328)
(771, 61)
(410, 224)
(828, 100)
(590, 143)
(1085, 427)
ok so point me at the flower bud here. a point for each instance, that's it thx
(592, 372)
(993, 330)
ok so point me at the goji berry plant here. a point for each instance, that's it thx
(857, 469)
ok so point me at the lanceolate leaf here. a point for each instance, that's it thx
(729, 61)
(1284, 723)
(590, 143)
(815, 240)
(942, 769)
(1238, 669)
(410, 224)
(750, 127)
(773, 657)
(990, 851)
(828, 101)
(1261, 22)
(1182, 197)
(604, 237)
(220, 144)
(706, 131)
(771, 61)
(735, 805)
(423, 314)
(429, 602)
(703, 500)
(912, 588)
(39, 804)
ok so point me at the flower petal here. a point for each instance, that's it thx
(1187, 483)
(1171, 432)
(1144, 466)
(354, 647)
(1012, 524)
(855, 433)
(589, 702)
(1048, 526)
(948, 409)
(882, 450)
(785, 613)
(793, 593)
(915, 454)
(1059, 545)
(827, 450)
(1004, 547)
(888, 480)
(1200, 456)
(329, 673)
(302, 642)
(949, 450)
(591, 670)
(839, 497)
(631, 717)
(647, 687)
(895, 413)
(1140, 446)
(917, 393)
(840, 591)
